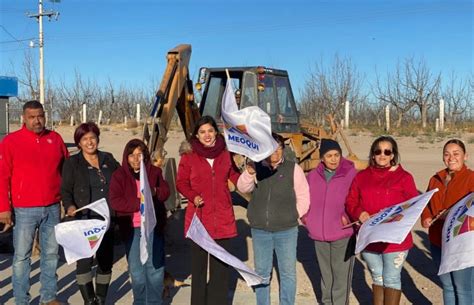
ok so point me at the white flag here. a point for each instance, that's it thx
(393, 224)
(457, 250)
(199, 235)
(82, 238)
(147, 213)
(247, 131)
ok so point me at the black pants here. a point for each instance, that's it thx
(215, 291)
(104, 256)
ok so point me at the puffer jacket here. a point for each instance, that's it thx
(327, 202)
(374, 189)
(197, 177)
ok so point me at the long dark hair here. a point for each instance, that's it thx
(375, 146)
(203, 121)
(132, 145)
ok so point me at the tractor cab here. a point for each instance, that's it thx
(266, 88)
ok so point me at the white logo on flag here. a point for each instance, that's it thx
(147, 213)
(81, 238)
(458, 237)
(393, 224)
(247, 131)
(199, 235)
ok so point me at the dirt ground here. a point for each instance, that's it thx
(421, 156)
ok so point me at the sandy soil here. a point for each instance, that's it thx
(421, 156)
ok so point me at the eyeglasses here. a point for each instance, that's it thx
(386, 152)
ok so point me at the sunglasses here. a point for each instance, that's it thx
(386, 152)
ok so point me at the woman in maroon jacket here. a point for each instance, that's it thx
(202, 178)
(124, 195)
(384, 183)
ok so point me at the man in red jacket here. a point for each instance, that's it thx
(30, 166)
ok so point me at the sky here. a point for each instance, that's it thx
(127, 41)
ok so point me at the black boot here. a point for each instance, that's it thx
(87, 292)
(101, 293)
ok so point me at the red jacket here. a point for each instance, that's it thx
(196, 177)
(123, 195)
(374, 189)
(461, 184)
(30, 169)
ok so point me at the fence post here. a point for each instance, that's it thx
(72, 120)
(387, 117)
(138, 114)
(437, 125)
(346, 115)
(84, 113)
(100, 118)
(441, 115)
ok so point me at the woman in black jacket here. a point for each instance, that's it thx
(86, 177)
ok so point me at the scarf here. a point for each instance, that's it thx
(208, 152)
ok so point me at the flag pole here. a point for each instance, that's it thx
(227, 72)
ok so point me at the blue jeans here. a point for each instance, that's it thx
(386, 268)
(147, 279)
(457, 285)
(284, 245)
(27, 220)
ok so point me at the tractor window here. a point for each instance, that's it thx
(213, 96)
(285, 99)
(249, 90)
(267, 97)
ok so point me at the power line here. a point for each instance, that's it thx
(11, 35)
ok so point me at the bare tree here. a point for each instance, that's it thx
(457, 94)
(411, 85)
(328, 88)
(421, 86)
(392, 91)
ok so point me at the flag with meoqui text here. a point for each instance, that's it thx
(147, 213)
(81, 238)
(457, 243)
(247, 131)
(393, 224)
(198, 233)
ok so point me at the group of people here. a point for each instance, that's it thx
(37, 174)
(331, 202)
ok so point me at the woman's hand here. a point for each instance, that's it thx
(71, 211)
(250, 166)
(198, 201)
(427, 222)
(364, 216)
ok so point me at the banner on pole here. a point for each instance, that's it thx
(457, 250)
(81, 238)
(147, 213)
(247, 131)
(197, 232)
(393, 224)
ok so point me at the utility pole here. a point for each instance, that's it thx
(39, 17)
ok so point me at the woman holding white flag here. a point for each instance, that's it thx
(202, 178)
(454, 182)
(86, 178)
(383, 184)
(147, 279)
(280, 197)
